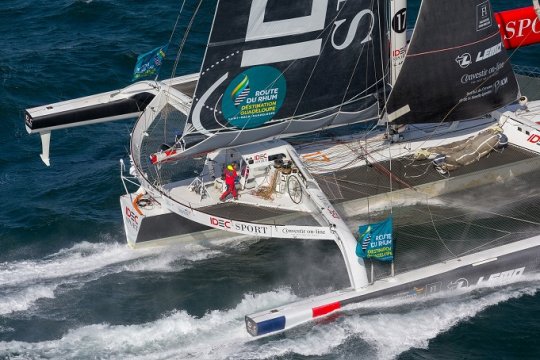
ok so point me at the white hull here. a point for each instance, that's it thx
(322, 157)
(174, 213)
(486, 268)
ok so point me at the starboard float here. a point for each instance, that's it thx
(396, 131)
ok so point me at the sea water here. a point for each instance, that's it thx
(71, 289)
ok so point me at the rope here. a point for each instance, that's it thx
(266, 192)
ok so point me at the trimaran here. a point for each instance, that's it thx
(374, 102)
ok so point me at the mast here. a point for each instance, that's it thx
(398, 37)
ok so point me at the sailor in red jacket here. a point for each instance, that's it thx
(230, 179)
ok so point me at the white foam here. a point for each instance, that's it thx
(416, 327)
(87, 258)
(5, 329)
(386, 330)
(82, 258)
(22, 300)
(222, 335)
(24, 282)
(218, 334)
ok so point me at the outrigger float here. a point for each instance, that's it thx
(251, 104)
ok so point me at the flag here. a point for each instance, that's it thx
(376, 241)
(148, 64)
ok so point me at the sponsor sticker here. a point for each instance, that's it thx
(501, 276)
(483, 16)
(259, 158)
(464, 60)
(302, 231)
(399, 23)
(482, 74)
(534, 139)
(252, 228)
(132, 218)
(254, 97)
(489, 52)
(226, 224)
(485, 90)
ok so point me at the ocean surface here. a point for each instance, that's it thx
(71, 289)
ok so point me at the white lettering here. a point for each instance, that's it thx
(522, 26)
(353, 29)
(384, 237)
(505, 275)
(489, 52)
(510, 30)
(266, 92)
(259, 29)
(339, 4)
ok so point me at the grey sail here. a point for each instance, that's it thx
(453, 74)
(276, 68)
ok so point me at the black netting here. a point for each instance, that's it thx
(162, 135)
(462, 223)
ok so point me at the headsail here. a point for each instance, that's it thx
(273, 70)
(456, 66)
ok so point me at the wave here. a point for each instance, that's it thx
(220, 334)
(20, 300)
(393, 328)
(25, 282)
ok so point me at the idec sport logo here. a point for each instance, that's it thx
(226, 224)
(534, 139)
(132, 218)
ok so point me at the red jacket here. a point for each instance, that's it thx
(230, 176)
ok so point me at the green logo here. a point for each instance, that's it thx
(254, 97)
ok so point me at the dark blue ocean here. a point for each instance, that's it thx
(71, 289)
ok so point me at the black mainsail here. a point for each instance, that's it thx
(456, 66)
(276, 67)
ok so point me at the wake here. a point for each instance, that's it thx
(221, 334)
(22, 283)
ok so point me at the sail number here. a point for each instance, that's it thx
(259, 29)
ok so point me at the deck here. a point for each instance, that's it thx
(366, 181)
(456, 222)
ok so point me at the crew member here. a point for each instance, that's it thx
(230, 181)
